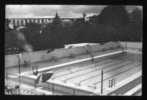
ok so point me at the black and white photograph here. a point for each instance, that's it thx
(77, 50)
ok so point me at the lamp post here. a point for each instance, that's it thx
(19, 65)
(101, 81)
(91, 55)
(126, 45)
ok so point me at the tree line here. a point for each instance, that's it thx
(114, 23)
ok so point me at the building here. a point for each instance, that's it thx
(24, 21)
(40, 20)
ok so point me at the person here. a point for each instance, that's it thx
(10, 91)
(50, 50)
(35, 70)
(6, 89)
(92, 58)
(17, 87)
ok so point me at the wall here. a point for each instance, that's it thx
(137, 45)
(12, 60)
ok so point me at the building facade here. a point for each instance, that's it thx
(23, 21)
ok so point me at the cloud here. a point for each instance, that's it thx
(18, 11)
(50, 10)
(130, 8)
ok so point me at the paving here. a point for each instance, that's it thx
(88, 74)
(127, 87)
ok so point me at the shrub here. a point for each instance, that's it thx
(71, 56)
(26, 63)
(53, 59)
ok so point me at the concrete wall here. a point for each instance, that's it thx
(137, 45)
(12, 60)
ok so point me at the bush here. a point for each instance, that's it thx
(26, 63)
(53, 59)
(71, 56)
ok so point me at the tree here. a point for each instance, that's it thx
(136, 16)
(114, 15)
(53, 33)
(135, 27)
(32, 35)
(10, 39)
(94, 19)
(56, 21)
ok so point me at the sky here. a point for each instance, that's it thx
(64, 11)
